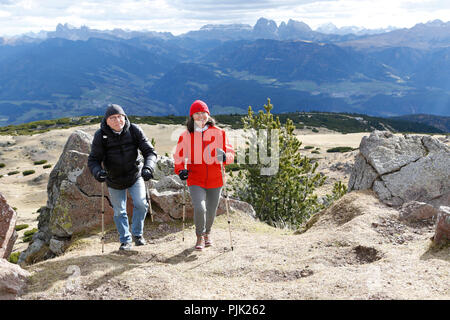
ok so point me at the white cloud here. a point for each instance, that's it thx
(4, 14)
(179, 16)
(373, 14)
(235, 5)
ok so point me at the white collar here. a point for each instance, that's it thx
(201, 129)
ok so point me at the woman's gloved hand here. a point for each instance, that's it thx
(221, 155)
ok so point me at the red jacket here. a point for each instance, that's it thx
(200, 150)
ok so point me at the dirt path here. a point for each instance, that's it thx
(330, 261)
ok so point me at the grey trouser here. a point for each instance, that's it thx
(205, 202)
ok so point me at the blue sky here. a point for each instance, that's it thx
(180, 16)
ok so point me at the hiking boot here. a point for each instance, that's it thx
(208, 241)
(125, 246)
(139, 240)
(200, 243)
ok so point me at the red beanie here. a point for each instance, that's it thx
(198, 106)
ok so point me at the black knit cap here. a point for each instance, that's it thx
(113, 109)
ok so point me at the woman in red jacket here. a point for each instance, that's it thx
(203, 147)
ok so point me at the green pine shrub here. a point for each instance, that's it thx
(14, 257)
(28, 235)
(27, 239)
(30, 232)
(339, 190)
(40, 162)
(21, 227)
(28, 172)
(340, 149)
(233, 167)
(286, 198)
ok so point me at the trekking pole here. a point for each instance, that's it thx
(103, 221)
(184, 197)
(225, 195)
(149, 202)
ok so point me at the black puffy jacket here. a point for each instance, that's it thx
(119, 154)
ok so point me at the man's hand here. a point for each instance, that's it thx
(183, 174)
(101, 176)
(147, 174)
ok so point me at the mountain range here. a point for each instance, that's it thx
(77, 71)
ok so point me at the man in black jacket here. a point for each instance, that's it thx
(116, 145)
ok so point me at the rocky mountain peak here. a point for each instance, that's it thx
(298, 25)
(265, 27)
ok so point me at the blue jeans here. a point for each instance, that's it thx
(140, 205)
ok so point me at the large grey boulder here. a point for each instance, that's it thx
(423, 180)
(74, 196)
(416, 211)
(167, 196)
(38, 250)
(401, 169)
(363, 174)
(386, 152)
(13, 280)
(164, 167)
(8, 234)
(236, 205)
(73, 204)
(442, 228)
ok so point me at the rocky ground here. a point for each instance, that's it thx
(358, 250)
